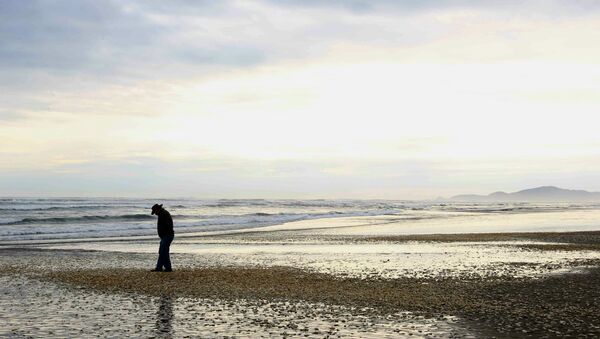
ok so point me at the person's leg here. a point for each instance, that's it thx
(166, 256)
(160, 262)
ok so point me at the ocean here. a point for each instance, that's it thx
(74, 218)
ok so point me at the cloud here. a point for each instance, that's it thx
(293, 95)
(67, 36)
(150, 39)
(52, 51)
(111, 39)
(45, 43)
(9, 116)
(416, 6)
(335, 178)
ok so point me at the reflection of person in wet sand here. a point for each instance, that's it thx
(164, 316)
(164, 226)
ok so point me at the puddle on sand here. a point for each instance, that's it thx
(385, 260)
(41, 309)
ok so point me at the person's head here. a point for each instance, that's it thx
(156, 208)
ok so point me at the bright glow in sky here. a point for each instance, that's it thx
(298, 99)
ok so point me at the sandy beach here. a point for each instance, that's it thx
(291, 283)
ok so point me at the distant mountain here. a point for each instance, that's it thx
(538, 194)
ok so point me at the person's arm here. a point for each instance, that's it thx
(161, 225)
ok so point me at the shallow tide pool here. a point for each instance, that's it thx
(385, 260)
(31, 308)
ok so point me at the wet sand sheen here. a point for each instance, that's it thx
(421, 256)
(548, 304)
(565, 304)
(34, 308)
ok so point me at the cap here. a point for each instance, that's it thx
(156, 208)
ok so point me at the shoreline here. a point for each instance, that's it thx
(380, 225)
(572, 237)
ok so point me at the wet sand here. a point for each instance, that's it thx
(41, 309)
(568, 304)
(466, 256)
(214, 296)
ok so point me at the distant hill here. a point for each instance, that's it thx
(538, 194)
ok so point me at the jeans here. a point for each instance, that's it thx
(163, 253)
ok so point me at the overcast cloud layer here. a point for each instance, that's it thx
(347, 99)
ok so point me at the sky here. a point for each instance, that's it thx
(298, 99)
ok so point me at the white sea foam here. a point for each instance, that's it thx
(66, 218)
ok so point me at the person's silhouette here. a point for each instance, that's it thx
(164, 227)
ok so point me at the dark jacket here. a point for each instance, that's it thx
(164, 226)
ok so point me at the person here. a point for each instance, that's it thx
(164, 226)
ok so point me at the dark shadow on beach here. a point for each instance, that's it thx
(164, 317)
